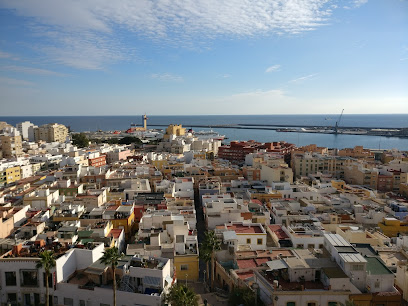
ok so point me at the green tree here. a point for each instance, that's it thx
(111, 257)
(181, 295)
(129, 140)
(80, 140)
(210, 245)
(241, 296)
(47, 262)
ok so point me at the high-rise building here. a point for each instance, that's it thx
(23, 128)
(51, 132)
(11, 144)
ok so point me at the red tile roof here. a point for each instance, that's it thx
(277, 229)
(245, 229)
(260, 261)
(246, 263)
(115, 233)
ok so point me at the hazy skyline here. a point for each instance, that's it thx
(94, 57)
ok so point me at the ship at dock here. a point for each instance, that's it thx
(207, 135)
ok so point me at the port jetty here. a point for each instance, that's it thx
(366, 131)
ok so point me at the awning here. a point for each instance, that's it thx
(169, 280)
(276, 265)
(152, 281)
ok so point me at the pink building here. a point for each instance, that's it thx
(117, 155)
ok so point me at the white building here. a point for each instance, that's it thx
(252, 235)
(23, 128)
(223, 211)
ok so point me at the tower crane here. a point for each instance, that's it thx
(338, 122)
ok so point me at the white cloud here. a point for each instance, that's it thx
(7, 55)
(167, 77)
(303, 78)
(14, 82)
(31, 70)
(358, 3)
(355, 4)
(82, 33)
(273, 68)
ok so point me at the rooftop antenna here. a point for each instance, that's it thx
(338, 122)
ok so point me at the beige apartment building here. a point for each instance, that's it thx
(281, 173)
(312, 163)
(11, 145)
(51, 132)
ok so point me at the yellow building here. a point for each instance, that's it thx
(174, 129)
(13, 174)
(391, 227)
(125, 221)
(159, 164)
(338, 184)
(186, 267)
(264, 197)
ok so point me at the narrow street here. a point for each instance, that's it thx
(200, 229)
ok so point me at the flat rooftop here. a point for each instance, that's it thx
(246, 229)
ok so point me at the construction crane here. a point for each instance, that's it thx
(338, 122)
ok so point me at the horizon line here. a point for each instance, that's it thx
(195, 115)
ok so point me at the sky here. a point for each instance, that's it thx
(203, 57)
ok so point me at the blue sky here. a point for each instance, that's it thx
(162, 57)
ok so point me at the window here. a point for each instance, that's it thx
(68, 301)
(29, 278)
(310, 246)
(248, 240)
(312, 304)
(259, 241)
(300, 246)
(184, 267)
(82, 303)
(291, 304)
(358, 267)
(12, 297)
(11, 279)
(332, 304)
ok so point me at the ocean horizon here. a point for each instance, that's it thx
(111, 123)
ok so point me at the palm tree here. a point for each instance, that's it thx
(47, 262)
(111, 257)
(181, 295)
(206, 256)
(209, 246)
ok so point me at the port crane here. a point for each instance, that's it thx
(338, 122)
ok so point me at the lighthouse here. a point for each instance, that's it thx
(145, 122)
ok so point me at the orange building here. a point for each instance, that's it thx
(97, 161)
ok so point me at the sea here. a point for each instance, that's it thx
(111, 123)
